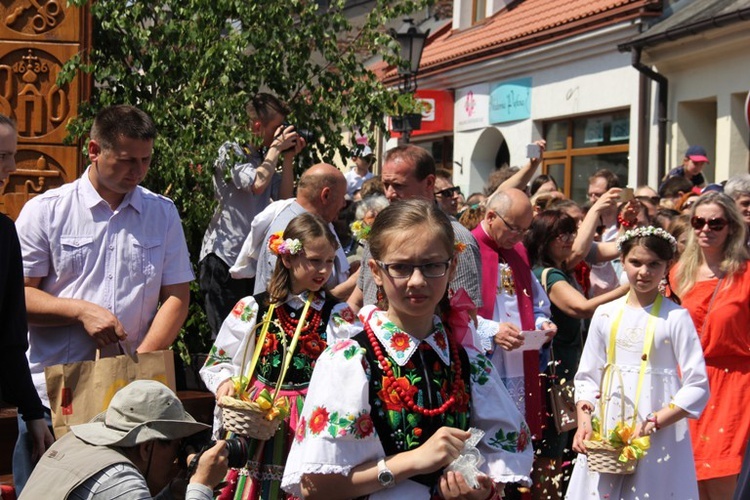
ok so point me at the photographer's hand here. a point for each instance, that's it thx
(286, 139)
(212, 465)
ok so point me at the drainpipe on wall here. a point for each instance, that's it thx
(662, 85)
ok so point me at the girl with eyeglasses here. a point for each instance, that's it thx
(713, 280)
(549, 244)
(390, 408)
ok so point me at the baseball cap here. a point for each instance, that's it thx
(696, 153)
(363, 152)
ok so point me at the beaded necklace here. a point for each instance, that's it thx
(289, 324)
(409, 401)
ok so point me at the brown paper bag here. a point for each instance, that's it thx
(80, 391)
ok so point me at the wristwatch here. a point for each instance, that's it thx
(385, 476)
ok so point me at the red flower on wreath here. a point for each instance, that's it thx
(400, 341)
(238, 308)
(390, 397)
(318, 420)
(270, 343)
(313, 345)
(363, 426)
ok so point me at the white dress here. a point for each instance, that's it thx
(336, 432)
(667, 470)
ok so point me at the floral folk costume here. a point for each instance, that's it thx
(325, 322)
(376, 411)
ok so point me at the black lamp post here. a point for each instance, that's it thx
(412, 41)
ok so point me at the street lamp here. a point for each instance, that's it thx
(412, 41)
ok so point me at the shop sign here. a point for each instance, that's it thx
(510, 100)
(437, 112)
(472, 107)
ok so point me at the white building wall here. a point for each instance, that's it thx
(577, 76)
(709, 79)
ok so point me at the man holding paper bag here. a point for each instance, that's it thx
(105, 260)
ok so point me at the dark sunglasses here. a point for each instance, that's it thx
(716, 224)
(449, 192)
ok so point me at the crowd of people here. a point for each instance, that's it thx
(407, 342)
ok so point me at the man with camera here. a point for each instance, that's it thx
(245, 181)
(129, 451)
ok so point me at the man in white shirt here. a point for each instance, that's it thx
(105, 260)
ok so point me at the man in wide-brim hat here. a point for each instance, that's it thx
(127, 451)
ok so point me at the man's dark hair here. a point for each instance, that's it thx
(263, 107)
(422, 160)
(673, 186)
(612, 180)
(122, 120)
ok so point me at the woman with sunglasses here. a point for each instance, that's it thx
(549, 244)
(713, 280)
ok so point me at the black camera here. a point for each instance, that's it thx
(308, 135)
(237, 449)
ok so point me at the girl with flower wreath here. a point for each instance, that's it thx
(306, 253)
(650, 345)
(406, 391)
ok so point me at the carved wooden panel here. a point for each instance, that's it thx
(39, 19)
(36, 38)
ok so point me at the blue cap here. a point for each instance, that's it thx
(696, 153)
(713, 187)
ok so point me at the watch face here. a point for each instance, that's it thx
(385, 478)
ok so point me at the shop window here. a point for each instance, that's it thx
(441, 150)
(578, 147)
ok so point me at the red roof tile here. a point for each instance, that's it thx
(524, 24)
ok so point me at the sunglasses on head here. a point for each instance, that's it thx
(716, 224)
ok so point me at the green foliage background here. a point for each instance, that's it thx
(193, 64)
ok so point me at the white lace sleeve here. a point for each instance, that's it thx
(506, 444)
(335, 432)
(486, 330)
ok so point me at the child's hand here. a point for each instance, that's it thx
(644, 428)
(226, 388)
(583, 433)
(453, 485)
(442, 448)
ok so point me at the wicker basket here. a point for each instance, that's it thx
(246, 418)
(602, 457)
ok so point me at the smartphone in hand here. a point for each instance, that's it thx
(533, 151)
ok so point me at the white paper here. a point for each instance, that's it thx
(533, 340)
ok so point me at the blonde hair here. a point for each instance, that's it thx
(735, 249)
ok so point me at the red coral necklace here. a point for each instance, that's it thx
(409, 401)
(289, 324)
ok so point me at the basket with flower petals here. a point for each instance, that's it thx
(617, 450)
(259, 416)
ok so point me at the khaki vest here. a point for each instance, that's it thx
(66, 465)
